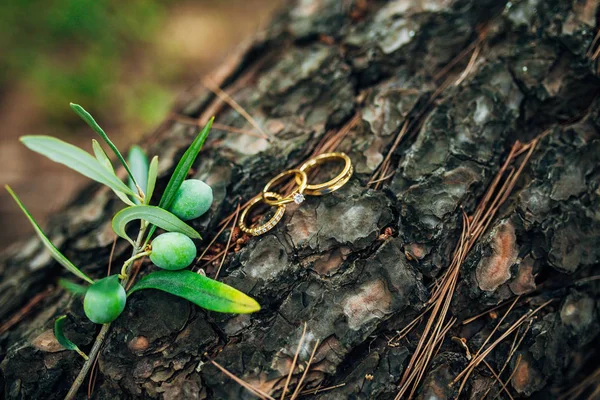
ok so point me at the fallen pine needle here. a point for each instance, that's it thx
(299, 385)
(18, 316)
(243, 383)
(210, 85)
(237, 213)
(287, 382)
(509, 378)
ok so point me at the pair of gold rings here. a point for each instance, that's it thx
(301, 188)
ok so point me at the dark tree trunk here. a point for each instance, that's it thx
(360, 264)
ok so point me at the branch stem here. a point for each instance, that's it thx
(123, 275)
(137, 251)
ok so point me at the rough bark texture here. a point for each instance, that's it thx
(327, 264)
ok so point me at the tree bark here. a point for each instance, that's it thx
(471, 78)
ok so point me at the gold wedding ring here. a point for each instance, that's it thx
(274, 199)
(333, 184)
(296, 196)
(267, 226)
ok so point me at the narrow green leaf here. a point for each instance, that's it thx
(155, 215)
(106, 163)
(200, 290)
(72, 287)
(138, 161)
(94, 125)
(60, 336)
(56, 254)
(182, 169)
(74, 158)
(124, 198)
(152, 175)
(102, 157)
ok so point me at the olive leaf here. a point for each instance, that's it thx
(138, 161)
(72, 287)
(60, 336)
(87, 117)
(105, 162)
(76, 159)
(155, 215)
(182, 169)
(152, 175)
(102, 157)
(56, 254)
(200, 290)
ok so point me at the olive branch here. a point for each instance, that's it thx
(105, 299)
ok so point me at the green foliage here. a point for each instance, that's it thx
(87, 117)
(76, 159)
(200, 290)
(59, 325)
(155, 215)
(56, 254)
(138, 160)
(105, 162)
(182, 169)
(184, 165)
(102, 157)
(105, 299)
(152, 175)
(72, 287)
(77, 49)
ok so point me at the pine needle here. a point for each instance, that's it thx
(301, 381)
(228, 241)
(287, 382)
(210, 85)
(243, 383)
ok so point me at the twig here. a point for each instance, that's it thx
(103, 332)
(88, 364)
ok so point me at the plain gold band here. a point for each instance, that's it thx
(333, 184)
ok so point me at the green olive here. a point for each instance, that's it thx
(105, 300)
(193, 198)
(172, 251)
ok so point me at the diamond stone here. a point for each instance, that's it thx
(298, 198)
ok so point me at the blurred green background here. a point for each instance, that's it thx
(124, 61)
